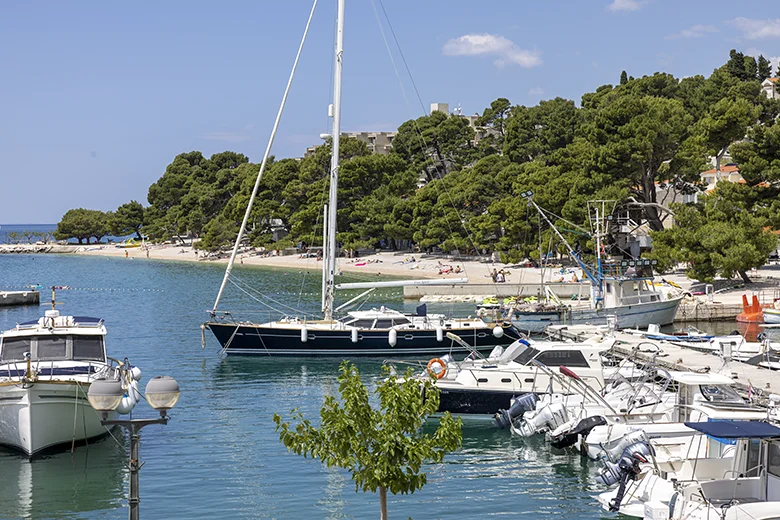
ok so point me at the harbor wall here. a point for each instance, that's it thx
(10, 298)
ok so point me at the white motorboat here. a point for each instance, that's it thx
(772, 314)
(46, 368)
(700, 397)
(715, 452)
(485, 386)
(752, 493)
(567, 417)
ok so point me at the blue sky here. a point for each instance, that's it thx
(96, 98)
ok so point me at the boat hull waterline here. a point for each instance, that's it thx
(628, 316)
(250, 339)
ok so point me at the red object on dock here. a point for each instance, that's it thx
(751, 313)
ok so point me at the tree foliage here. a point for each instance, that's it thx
(383, 448)
(83, 224)
(719, 236)
(454, 182)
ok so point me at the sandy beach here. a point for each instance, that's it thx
(390, 265)
(405, 265)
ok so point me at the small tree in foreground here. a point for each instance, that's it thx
(383, 448)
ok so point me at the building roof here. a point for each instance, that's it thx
(728, 168)
(773, 80)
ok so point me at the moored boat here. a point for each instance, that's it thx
(46, 368)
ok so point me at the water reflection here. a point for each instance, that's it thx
(62, 485)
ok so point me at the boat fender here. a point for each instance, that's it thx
(354, 335)
(304, 334)
(136, 373)
(392, 338)
(498, 331)
(441, 363)
(439, 334)
(129, 400)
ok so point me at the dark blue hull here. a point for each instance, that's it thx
(248, 339)
(471, 401)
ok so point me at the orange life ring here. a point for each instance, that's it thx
(437, 375)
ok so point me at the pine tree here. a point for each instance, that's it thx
(764, 68)
(750, 68)
(736, 64)
(623, 78)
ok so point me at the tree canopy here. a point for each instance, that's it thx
(383, 448)
(453, 182)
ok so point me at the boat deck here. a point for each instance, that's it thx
(674, 357)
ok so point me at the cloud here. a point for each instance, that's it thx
(229, 137)
(696, 31)
(758, 29)
(625, 5)
(492, 45)
(536, 91)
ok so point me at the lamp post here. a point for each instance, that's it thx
(162, 393)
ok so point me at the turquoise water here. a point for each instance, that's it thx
(219, 456)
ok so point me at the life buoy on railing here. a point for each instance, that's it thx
(437, 375)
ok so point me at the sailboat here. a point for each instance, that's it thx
(626, 290)
(376, 332)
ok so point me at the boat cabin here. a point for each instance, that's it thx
(55, 338)
(701, 396)
(757, 479)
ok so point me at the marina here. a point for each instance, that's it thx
(441, 303)
(224, 415)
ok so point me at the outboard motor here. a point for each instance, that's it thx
(549, 417)
(569, 437)
(626, 469)
(614, 453)
(518, 406)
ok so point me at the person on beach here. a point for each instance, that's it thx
(494, 275)
(127, 254)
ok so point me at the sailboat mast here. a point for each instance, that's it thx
(334, 164)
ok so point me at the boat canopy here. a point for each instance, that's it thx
(736, 429)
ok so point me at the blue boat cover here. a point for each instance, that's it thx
(736, 429)
(86, 320)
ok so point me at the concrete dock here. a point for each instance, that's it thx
(12, 298)
(673, 357)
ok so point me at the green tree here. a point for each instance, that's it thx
(436, 144)
(764, 68)
(718, 236)
(537, 131)
(637, 140)
(726, 122)
(494, 117)
(751, 68)
(759, 155)
(383, 448)
(83, 224)
(736, 65)
(128, 218)
(623, 78)
(220, 232)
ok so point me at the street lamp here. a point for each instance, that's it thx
(162, 393)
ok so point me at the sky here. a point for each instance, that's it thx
(97, 98)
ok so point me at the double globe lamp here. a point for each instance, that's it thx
(162, 393)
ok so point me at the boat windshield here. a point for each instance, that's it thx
(523, 354)
(720, 394)
(53, 348)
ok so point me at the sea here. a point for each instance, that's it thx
(219, 456)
